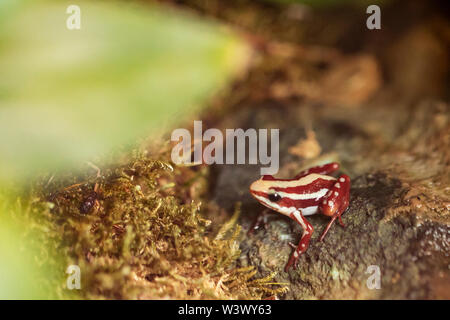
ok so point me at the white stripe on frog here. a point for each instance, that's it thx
(286, 210)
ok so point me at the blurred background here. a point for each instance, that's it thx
(90, 95)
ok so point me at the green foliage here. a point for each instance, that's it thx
(68, 95)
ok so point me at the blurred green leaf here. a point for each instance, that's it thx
(67, 95)
(27, 269)
(17, 275)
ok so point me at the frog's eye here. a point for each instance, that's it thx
(274, 197)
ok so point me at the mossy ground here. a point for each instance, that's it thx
(146, 238)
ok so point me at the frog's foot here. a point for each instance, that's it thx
(260, 220)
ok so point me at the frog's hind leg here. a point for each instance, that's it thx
(304, 241)
(324, 169)
(336, 202)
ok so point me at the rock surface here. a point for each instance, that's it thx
(410, 249)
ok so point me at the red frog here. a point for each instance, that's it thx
(309, 192)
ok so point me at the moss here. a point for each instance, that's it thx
(145, 235)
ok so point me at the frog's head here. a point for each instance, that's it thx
(267, 191)
(289, 195)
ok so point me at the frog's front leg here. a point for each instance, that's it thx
(336, 202)
(261, 219)
(304, 241)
